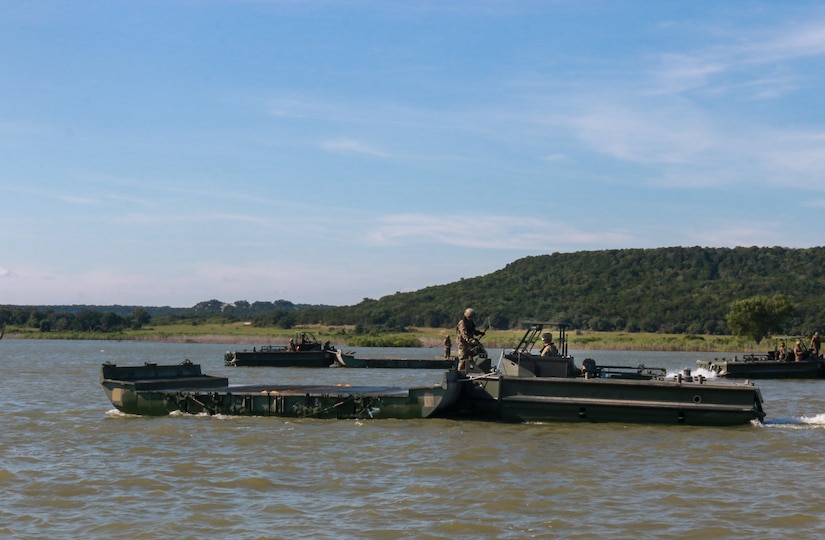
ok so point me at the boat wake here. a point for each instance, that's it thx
(801, 422)
(114, 413)
(694, 371)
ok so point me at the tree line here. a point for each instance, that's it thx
(679, 290)
(86, 320)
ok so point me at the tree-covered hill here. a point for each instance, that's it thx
(673, 290)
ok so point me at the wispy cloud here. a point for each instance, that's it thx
(745, 56)
(664, 134)
(488, 232)
(208, 218)
(74, 199)
(351, 146)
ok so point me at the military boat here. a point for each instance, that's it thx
(350, 361)
(775, 364)
(157, 390)
(528, 387)
(303, 351)
(306, 351)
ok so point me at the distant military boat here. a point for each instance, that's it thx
(775, 364)
(157, 390)
(527, 387)
(350, 361)
(303, 351)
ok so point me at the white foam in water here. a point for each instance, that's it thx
(801, 422)
(818, 419)
(694, 372)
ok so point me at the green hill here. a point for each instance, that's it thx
(671, 290)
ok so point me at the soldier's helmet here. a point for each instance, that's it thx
(469, 313)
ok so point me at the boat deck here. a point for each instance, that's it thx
(293, 390)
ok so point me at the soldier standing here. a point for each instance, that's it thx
(467, 341)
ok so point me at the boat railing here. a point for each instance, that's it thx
(272, 348)
(591, 370)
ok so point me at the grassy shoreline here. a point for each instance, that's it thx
(240, 334)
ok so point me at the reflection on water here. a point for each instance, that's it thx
(72, 468)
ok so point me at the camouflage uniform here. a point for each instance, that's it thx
(466, 340)
(815, 343)
(549, 349)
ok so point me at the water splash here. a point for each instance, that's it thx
(694, 372)
(801, 422)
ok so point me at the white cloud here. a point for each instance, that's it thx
(351, 146)
(489, 232)
(739, 64)
(666, 133)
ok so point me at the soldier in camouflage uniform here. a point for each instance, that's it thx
(467, 341)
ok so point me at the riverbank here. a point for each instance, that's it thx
(340, 336)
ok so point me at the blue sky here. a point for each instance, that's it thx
(169, 152)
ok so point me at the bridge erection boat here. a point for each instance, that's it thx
(527, 387)
(771, 365)
(303, 351)
(522, 387)
(157, 390)
(307, 351)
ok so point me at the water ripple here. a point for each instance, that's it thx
(75, 467)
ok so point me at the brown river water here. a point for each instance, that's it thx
(72, 467)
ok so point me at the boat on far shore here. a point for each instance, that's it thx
(306, 351)
(302, 351)
(771, 365)
(346, 360)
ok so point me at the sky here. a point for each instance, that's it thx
(163, 153)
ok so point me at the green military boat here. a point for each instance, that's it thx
(775, 364)
(156, 390)
(350, 361)
(527, 387)
(522, 387)
(303, 351)
(306, 351)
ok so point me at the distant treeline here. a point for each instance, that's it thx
(85, 320)
(668, 290)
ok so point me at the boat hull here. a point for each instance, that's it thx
(349, 361)
(149, 394)
(765, 369)
(280, 358)
(543, 399)
(145, 389)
